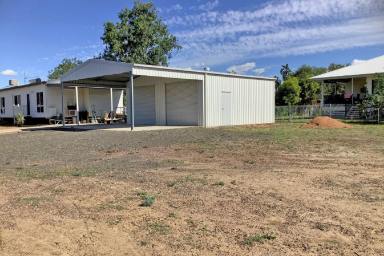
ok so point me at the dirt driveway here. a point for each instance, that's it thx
(269, 190)
(9, 129)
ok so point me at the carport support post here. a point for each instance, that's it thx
(62, 103)
(322, 94)
(111, 93)
(77, 104)
(352, 91)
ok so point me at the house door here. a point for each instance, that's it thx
(226, 110)
(28, 106)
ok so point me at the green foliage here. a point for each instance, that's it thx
(334, 66)
(219, 183)
(19, 119)
(376, 99)
(310, 89)
(139, 36)
(148, 200)
(65, 66)
(290, 91)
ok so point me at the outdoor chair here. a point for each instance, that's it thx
(57, 120)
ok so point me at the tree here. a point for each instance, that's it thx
(334, 66)
(285, 72)
(139, 36)
(65, 66)
(290, 90)
(376, 99)
(277, 82)
(310, 89)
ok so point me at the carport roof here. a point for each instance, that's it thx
(99, 70)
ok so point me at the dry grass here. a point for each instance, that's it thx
(254, 190)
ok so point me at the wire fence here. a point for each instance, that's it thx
(339, 111)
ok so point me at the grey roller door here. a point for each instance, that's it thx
(181, 104)
(145, 112)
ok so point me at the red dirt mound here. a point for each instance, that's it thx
(325, 122)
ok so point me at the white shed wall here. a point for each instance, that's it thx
(166, 73)
(252, 101)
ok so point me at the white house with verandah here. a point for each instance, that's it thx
(41, 101)
(358, 79)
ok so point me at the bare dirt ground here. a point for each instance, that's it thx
(9, 129)
(256, 190)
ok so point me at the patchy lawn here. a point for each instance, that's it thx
(256, 190)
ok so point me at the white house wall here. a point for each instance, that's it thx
(23, 91)
(252, 100)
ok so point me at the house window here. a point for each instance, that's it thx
(40, 102)
(2, 105)
(17, 100)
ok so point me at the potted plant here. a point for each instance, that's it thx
(19, 119)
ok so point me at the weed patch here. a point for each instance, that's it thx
(219, 183)
(159, 228)
(148, 200)
(259, 238)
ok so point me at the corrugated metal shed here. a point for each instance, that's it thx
(185, 97)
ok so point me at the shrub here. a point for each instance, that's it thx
(148, 200)
(19, 119)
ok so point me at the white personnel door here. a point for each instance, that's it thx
(226, 110)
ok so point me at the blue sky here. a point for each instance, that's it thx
(248, 36)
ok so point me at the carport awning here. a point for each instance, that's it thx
(99, 72)
(111, 73)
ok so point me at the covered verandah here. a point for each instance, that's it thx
(352, 82)
(347, 90)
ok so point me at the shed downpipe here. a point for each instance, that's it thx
(204, 100)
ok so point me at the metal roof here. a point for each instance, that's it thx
(118, 72)
(47, 83)
(369, 67)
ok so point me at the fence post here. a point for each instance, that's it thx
(378, 116)
(289, 113)
(330, 110)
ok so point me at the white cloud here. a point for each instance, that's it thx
(243, 68)
(176, 8)
(280, 28)
(208, 6)
(356, 62)
(8, 72)
(259, 71)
